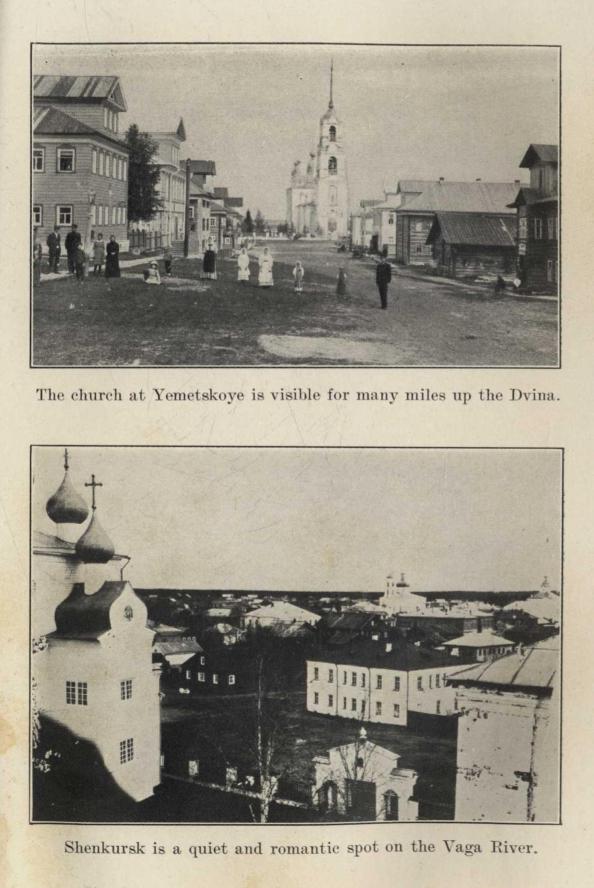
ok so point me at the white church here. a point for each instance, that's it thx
(317, 198)
(92, 666)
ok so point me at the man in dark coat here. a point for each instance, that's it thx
(72, 242)
(54, 246)
(383, 276)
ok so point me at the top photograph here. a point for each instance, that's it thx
(295, 205)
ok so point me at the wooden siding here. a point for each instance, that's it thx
(411, 237)
(540, 261)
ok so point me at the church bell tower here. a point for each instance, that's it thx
(332, 197)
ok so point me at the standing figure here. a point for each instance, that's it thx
(209, 263)
(54, 246)
(341, 282)
(72, 242)
(98, 254)
(265, 263)
(37, 253)
(168, 259)
(79, 263)
(112, 262)
(298, 275)
(152, 276)
(383, 276)
(243, 266)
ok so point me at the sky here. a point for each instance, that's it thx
(320, 519)
(407, 112)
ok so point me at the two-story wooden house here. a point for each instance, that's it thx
(538, 220)
(80, 162)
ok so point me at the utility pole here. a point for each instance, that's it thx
(188, 220)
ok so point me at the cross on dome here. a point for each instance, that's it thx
(93, 484)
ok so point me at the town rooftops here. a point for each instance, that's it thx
(473, 229)
(534, 670)
(540, 154)
(283, 611)
(402, 656)
(53, 121)
(463, 197)
(77, 88)
(479, 640)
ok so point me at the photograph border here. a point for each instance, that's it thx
(193, 824)
(302, 366)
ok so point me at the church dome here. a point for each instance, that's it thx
(67, 506)
(94, 546)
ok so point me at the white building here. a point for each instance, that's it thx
(381, 682)
(363, 781)
(317, 200)
(508, 738)
(480, 645)
(280, 613)
(92, 671)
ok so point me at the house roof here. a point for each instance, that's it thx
(181, 646)
(55, 122)
(473, 229)
(534, 670)
(282, 610)
(74, 88)
(524, 195)
(540, 153)
(478, 640)
(411, 185)
(82, 616)
(349, 621)
(403, 656)
(203, 167)
(463, 197)
(221, 193)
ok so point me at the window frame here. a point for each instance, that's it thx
(41, 152)
(65, 151)
(231, 679)
(126, 689)
(39, 208)
(537, 228)
(126, 750)
(68, 207)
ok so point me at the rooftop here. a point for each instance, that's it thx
(478, 640)
(74, 88)
(534, 670)
(540, 153)
(463, 197)
(403, 656)
(474, 229)
(55, 122)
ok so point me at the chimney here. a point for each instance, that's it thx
(441, 179)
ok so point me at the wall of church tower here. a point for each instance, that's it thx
(332, 200)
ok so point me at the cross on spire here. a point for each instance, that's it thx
(93, 484)
(66, 466)
(331, 102)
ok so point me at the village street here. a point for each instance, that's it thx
(185, 320)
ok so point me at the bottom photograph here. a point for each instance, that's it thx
(295, 634)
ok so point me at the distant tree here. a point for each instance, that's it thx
(143, 176)
(260, 223)
(248, 224)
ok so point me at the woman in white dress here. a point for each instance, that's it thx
(265, 263)
(243, 266)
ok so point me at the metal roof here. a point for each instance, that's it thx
(540, 153)
(94, 88)
(463, 197)
(479, 639)
(403, 656)
(535, 669)
(474, 229)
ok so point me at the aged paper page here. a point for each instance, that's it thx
(297, 474)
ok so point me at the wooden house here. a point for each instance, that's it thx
(80, 162)
(467, 244)
(537, 207)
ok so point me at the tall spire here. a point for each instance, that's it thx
(331, 102)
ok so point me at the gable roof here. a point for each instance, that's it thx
(474, 229)
(55, 122)
(282, 610)
(540, 153)
(76, 88)
(404, 657)
(463, 197)
(478, 640)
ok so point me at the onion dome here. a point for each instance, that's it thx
(66, 506)
(94, 546)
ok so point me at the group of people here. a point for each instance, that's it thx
(100, 252)
(265, 266)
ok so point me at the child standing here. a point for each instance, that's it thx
(98, 254)
(79, 263)
(168, 259)
(298, 275)
(341, 282)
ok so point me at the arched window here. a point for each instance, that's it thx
(332, 132)
(328, 796)
(332, 166)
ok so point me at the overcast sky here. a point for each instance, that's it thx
(408, 112)
(297, 519)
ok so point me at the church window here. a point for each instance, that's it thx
(126, 689)
(76, 693)
(332, 166)
(126, 750)
(332, 132)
